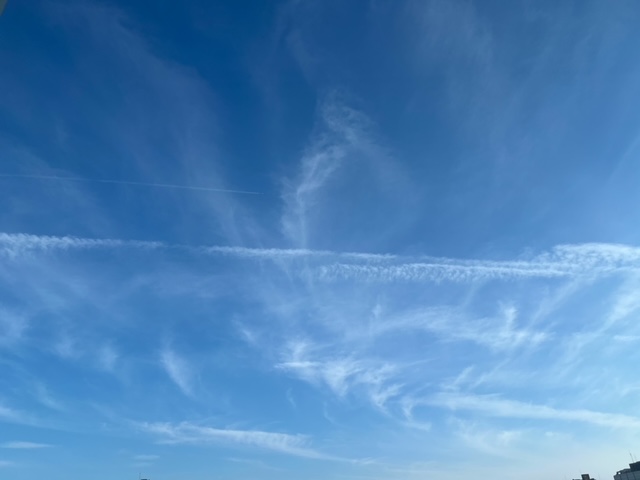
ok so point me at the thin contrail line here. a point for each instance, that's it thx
(126, 182)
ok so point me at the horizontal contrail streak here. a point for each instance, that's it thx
(560, 262)
(125, 182)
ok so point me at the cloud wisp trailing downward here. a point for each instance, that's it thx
(179, 370)
(340, 131)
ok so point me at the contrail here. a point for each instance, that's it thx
(126, 182)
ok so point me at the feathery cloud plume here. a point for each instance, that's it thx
(178, 370)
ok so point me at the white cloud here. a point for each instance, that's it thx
(339, 131)
(439, 272)
(626, 302)
(16, 244)
(562, 261)
(291, 253)
(495, 406)
(24, 445)
(297, 445)
(341, 375)
(178, 370)
(499, 333)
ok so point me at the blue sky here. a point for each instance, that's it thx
(319, 239)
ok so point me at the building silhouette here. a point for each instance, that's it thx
(631, 473)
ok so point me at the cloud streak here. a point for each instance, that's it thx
(16, 244)
(562, 261)
(495, 406)
(18, 445)
(189, 433)
(499, 333)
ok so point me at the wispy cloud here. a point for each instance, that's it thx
(297, 445)
(560, 262)
(625, 303)
(7, 413)
(339, 131)
(437, 272)
(15, 244)
(499, 333)
(495, 406)
(10, 415)
(179, 370)
(24, 445)
(292, 253)
(340, 374)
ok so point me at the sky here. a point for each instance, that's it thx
(313, 239)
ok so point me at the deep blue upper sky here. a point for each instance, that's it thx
(319, 239)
